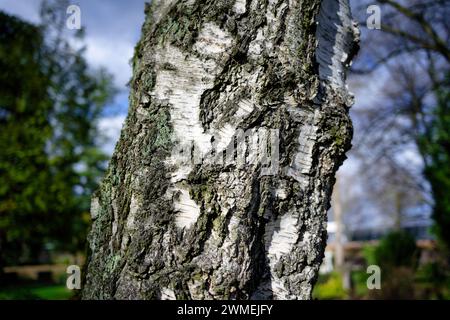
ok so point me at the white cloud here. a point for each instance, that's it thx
(110, 128)
(366, 90)
(113, 54)
(28, 10)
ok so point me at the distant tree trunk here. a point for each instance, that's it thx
(339, 241)
(337, 215)
(181, 214)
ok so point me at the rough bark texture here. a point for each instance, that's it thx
(203, 70)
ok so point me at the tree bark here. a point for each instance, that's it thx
(221, 180)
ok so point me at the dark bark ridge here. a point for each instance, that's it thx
(202, 71)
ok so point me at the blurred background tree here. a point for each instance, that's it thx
(50, 161)
(404, 133)
(398, 173)
(434, 145)
(397, 249)
(397, 256)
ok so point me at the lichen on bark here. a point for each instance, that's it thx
(203, 72)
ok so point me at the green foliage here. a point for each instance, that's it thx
(434, 145)
(397, 283)
(50, 163)
(53, 292)
(24, 108)
(434, 280)
(396, 249)
(329, 287)
(396, 255)
(359, 282)
(369, 254)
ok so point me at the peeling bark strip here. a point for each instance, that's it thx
(203, 71)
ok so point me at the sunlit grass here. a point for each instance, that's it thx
(36, 292)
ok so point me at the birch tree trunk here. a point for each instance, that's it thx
(220, 183)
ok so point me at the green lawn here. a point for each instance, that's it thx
(36, 292)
